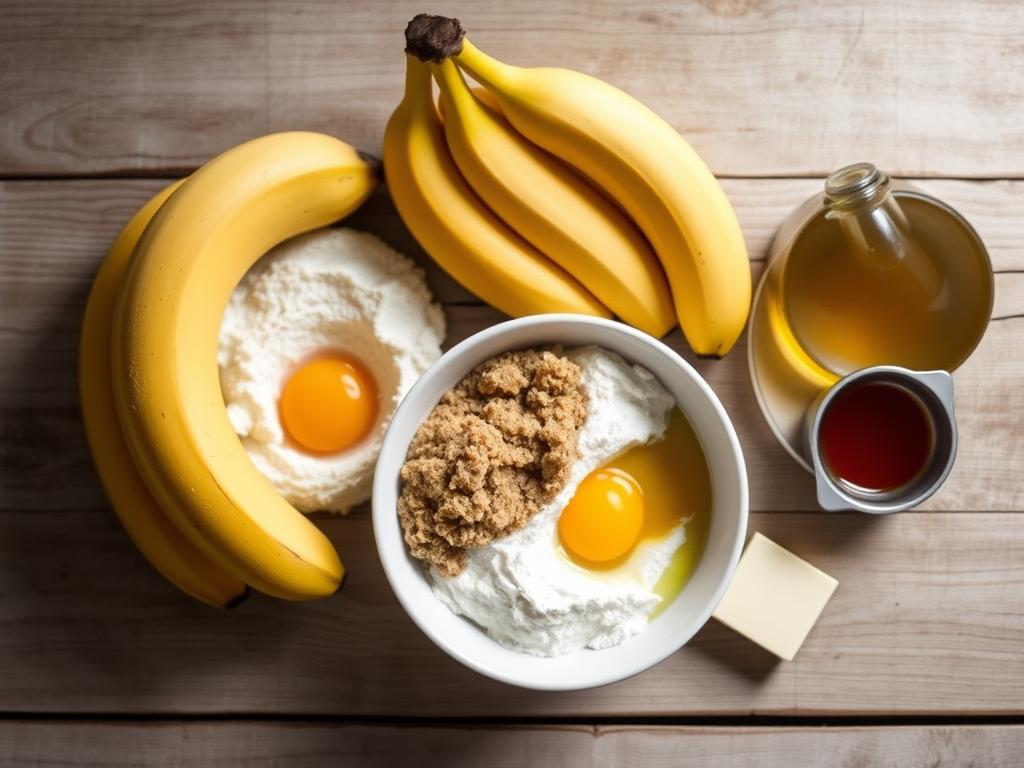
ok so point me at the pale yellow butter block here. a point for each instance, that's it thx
(775, 597)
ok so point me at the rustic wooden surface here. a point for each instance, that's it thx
(100, 102)
(241, 745)
(760, 87)
(926, 622)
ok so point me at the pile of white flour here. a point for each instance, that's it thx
(333, 289)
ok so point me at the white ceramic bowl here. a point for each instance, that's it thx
(464, 640)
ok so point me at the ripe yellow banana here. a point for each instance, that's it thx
(166, 384)
(454, 226)
(647, 168)
(481, 93)
(553, 208)
(173, 555)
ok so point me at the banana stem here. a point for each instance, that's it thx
(417, 82)
(489, 72)
(454, 91)
(433, 38)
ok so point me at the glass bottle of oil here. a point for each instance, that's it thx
(875, 273)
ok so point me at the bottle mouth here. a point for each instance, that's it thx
(852, 185)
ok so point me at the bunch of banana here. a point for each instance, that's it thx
(173, 468)
(455, 227)
(606, 198)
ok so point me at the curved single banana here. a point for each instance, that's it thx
(553, 208)
(452, 224)
(648, 169)
(166, 384)
(166, 548)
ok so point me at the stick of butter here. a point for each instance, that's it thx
(775, 597)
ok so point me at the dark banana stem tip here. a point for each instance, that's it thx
(433, 38)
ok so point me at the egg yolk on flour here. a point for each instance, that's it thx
(329, 403)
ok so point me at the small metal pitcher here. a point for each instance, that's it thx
(934, 390)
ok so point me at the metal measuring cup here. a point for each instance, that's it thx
(934, 391)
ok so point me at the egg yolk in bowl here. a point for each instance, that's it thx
(329, 403)
(603, 520)
(637, 499)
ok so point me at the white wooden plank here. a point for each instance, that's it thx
(928, 619)
(246, 744)
(760, 88)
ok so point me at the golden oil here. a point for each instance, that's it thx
(676, 480)
(876, 275)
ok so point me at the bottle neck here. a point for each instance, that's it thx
(859, 197)
(855, 186)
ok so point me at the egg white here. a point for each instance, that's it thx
(646, 562)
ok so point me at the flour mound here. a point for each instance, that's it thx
(333, 289)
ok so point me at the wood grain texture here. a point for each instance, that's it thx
(53, 234)
(231, 744)
(929, 615)
(928, 618)
(769, 87)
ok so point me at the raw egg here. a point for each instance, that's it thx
(329, 403)
(622, 510)
(603, 519)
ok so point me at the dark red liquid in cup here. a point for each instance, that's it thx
(876, 436)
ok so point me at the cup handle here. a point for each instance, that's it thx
(828, 499)
(941, 383)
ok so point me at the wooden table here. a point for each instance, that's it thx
(918, 659)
